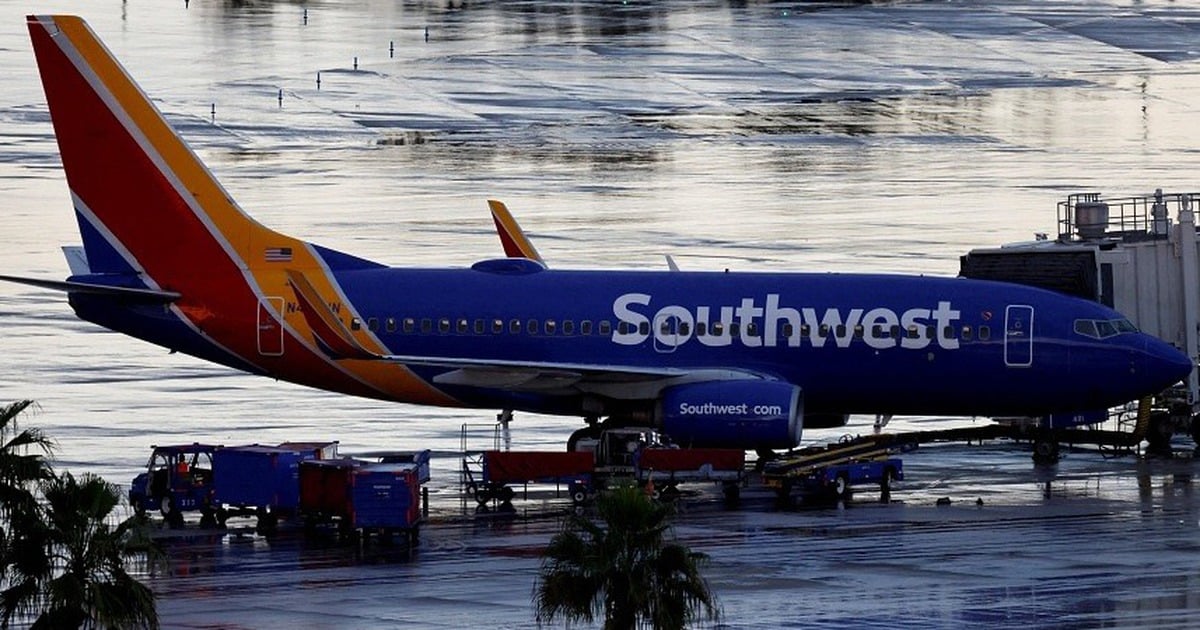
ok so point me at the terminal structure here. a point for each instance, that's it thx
(1128, 253)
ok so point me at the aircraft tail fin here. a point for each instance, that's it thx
(145, 203)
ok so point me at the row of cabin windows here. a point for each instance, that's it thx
(496, 326)
(668, 327)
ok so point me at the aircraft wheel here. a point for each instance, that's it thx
(587, 433)
(1160, 433)
(578, 495)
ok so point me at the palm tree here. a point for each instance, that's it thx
(23, 465)
(62, 562)
(624, 569)
(88, 585)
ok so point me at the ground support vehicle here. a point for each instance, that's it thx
(829, 472)
(361, 498)
(262, 481)
(504, 469)
(178, 479)
(419, 459)
(635, 454)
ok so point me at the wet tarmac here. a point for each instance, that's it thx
(755, 135)
(1091, 542)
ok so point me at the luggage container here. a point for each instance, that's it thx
(362, 498)
(258, 480)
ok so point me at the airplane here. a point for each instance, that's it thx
(731, 359)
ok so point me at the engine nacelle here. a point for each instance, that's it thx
(733, 414)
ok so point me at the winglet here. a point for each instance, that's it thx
(331, 335)
(512, 237)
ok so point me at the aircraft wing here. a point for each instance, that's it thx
(617, 381)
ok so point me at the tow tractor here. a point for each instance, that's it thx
(178, 479)
(639, 454)
(831, 470)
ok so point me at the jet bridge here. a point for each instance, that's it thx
(1137, 255)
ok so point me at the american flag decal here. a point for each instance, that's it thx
(278, 254)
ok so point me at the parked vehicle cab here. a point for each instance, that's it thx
(177, 479)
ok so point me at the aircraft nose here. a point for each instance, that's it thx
(1163, 364)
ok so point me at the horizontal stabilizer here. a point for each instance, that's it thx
(149, 295)
(331, 335)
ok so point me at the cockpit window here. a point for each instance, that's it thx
(1124, 325)
(1103, 328)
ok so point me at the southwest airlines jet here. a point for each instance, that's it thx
(729, 359)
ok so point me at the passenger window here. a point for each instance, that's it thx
(735, 329)
(585, 327)
(701, 329)
(514, 326)
(551, 326)
(985, 333)
(684, 329)
(497, 326)
(718, 328)
(426, 325)
(531, 326)
(605, 327)
(623, 328)
(752, 329)
(787, 331)
(480, 327)
(896, 331)
(391, 324)
(804, 329)
(372, 323)
(823, 330)
(931, 332)
(410, 324)
(665, 326)
(443, 325)
(913, 332)
(948, 332)
(858, 332)
(355, 323)
(840, 331)
(463, 326)
(644, 328)
(568, 327)
(878, 332)
(966, 333)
